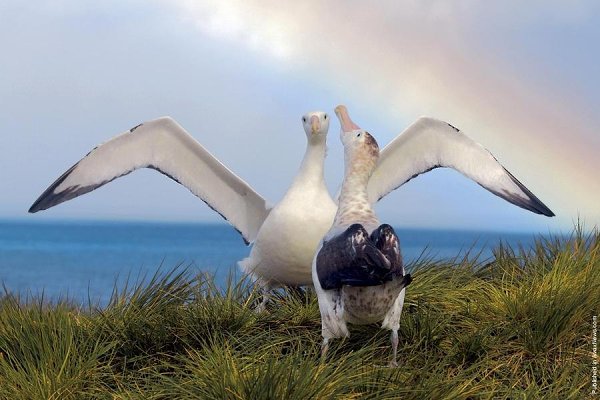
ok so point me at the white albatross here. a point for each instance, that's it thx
(286, 236)
(357, 270)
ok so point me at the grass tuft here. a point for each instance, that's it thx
(518, 327)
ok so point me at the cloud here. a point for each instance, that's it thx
(79, 72)
(399, 60)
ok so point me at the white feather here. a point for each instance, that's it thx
(164, 145)
(429, 143)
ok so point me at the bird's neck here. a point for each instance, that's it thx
(353, 203)
(311, 168)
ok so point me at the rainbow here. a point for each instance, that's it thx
(421, 59)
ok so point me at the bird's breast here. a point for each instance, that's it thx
(366, 305)
(288, 238)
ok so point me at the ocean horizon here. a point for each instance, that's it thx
(84, 261)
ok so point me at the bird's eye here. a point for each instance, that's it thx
(325, 116)
(358, 134)
(303, 119)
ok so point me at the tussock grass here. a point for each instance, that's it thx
(517, 327)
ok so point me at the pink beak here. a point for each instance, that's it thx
(314, 124)
(345, 121)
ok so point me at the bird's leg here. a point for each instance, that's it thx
(262, 306)
(265, 291)
(394, 338)
(324, 347)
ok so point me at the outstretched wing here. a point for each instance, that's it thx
(429, 143)
(163, 145)
(351, 259)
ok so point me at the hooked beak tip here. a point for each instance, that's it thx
(345, 121)
(341, 109)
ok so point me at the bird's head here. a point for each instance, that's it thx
(316, 125)
(359, 146)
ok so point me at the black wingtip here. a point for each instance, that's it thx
(534, 204)
(48, 198)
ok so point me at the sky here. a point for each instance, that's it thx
(519, 78)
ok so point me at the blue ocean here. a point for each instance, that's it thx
(85, 261)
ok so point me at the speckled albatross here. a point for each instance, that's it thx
(357, 270)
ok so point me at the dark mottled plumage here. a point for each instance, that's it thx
(371, 144)
(387, 242)
(355, 259)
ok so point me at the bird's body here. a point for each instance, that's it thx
(361, 291)
(284, 247)
(357, 270)
(289, 236)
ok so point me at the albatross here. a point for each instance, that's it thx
(357, 270)
(286, 236)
